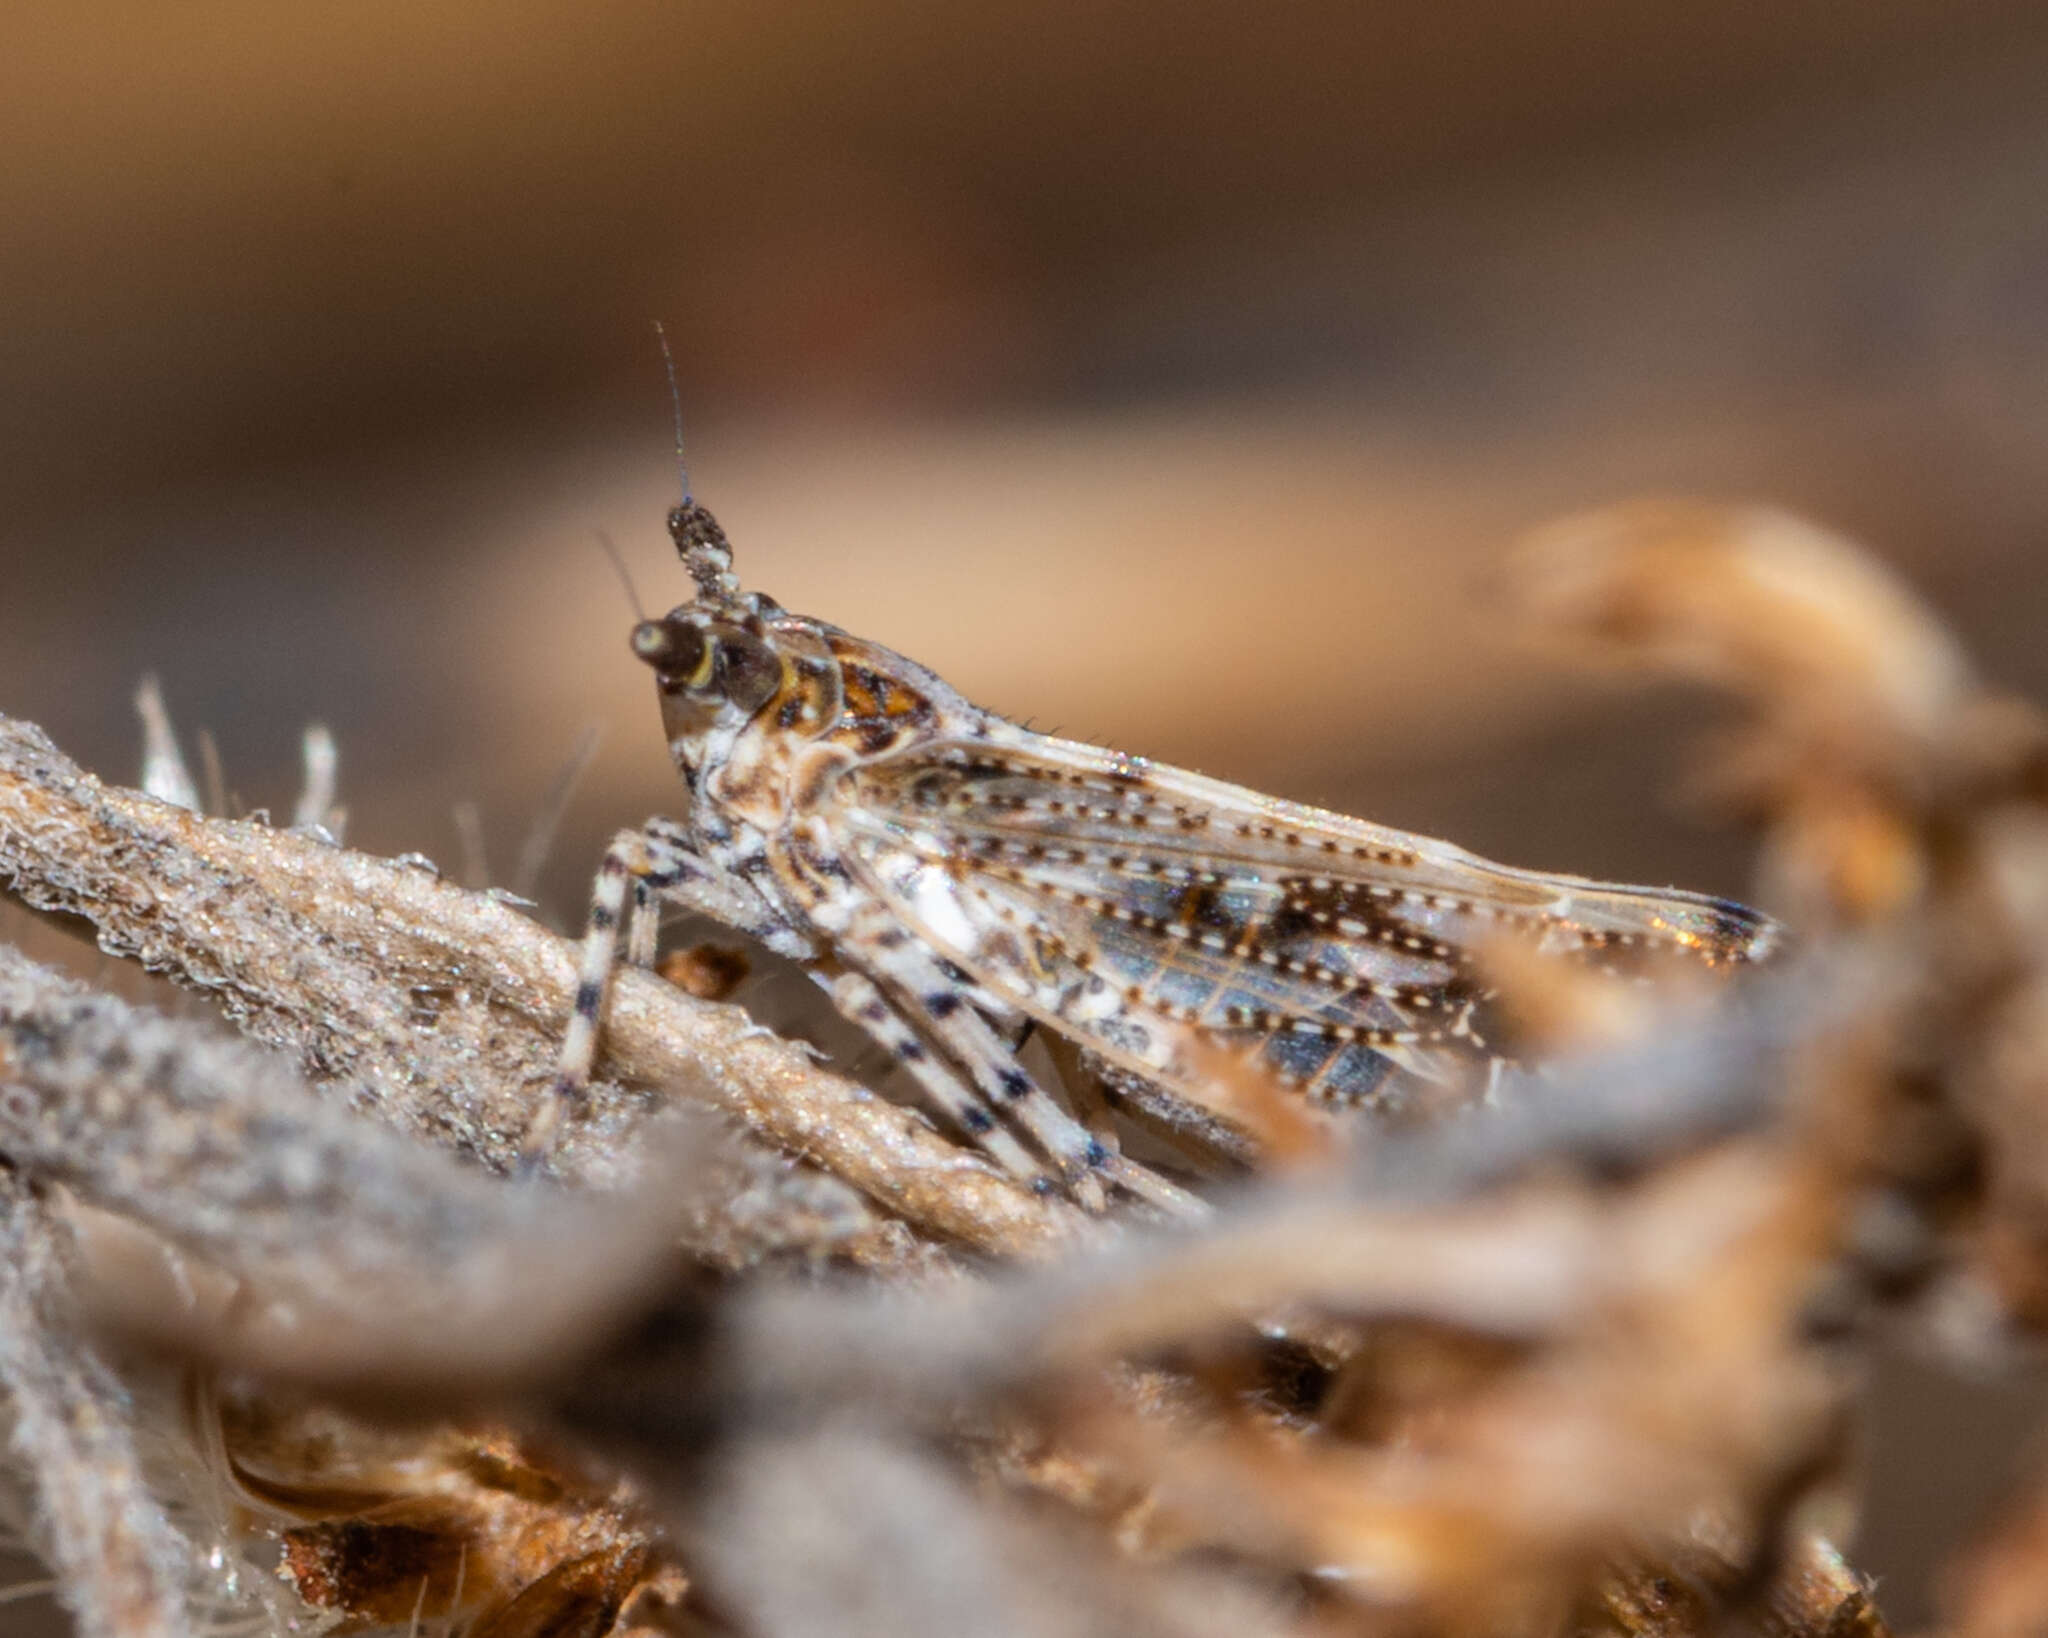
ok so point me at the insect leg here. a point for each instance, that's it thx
(646, 865)
(1082, 1155)
(643, 927)
(1084, 1090)
(856, 995)
(1207, 1138)
(936, 1007)
(1015, 1023)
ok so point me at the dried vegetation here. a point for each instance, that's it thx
(286, 1350)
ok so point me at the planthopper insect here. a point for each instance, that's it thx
(952, 878)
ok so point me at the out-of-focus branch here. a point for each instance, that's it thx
(442, 1008)
(121, 1566)
(396, 1265)
(1759, 602)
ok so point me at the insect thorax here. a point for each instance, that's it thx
(838, 701)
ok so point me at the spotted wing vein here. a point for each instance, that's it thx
(1142, 908)
(1126, 902)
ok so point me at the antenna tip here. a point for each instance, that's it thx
(675, 398)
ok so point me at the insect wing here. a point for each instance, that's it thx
(1145, 909)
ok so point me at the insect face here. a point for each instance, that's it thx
(708, 668)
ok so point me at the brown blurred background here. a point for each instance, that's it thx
(1162, 373)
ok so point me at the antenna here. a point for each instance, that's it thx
(699, 540)
(611, 551)
(675, 399)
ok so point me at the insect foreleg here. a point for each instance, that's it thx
(643, 927)
(644, 866)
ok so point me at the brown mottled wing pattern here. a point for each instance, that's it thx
(1143, 910)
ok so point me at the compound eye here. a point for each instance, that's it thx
(677, 651)
(749, 672)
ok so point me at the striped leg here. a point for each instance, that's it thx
(643, 927)
(647, 865)
(1083, 1156)
(922, 995)
(857, 996)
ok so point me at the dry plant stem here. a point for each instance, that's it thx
(221, 1145)
(445, 1007)
(1494, 1228)
(409, 1270)
(1758, 601)
(857, 1500)
(742, 1203)
(120, 1563)
(1524, 1263)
